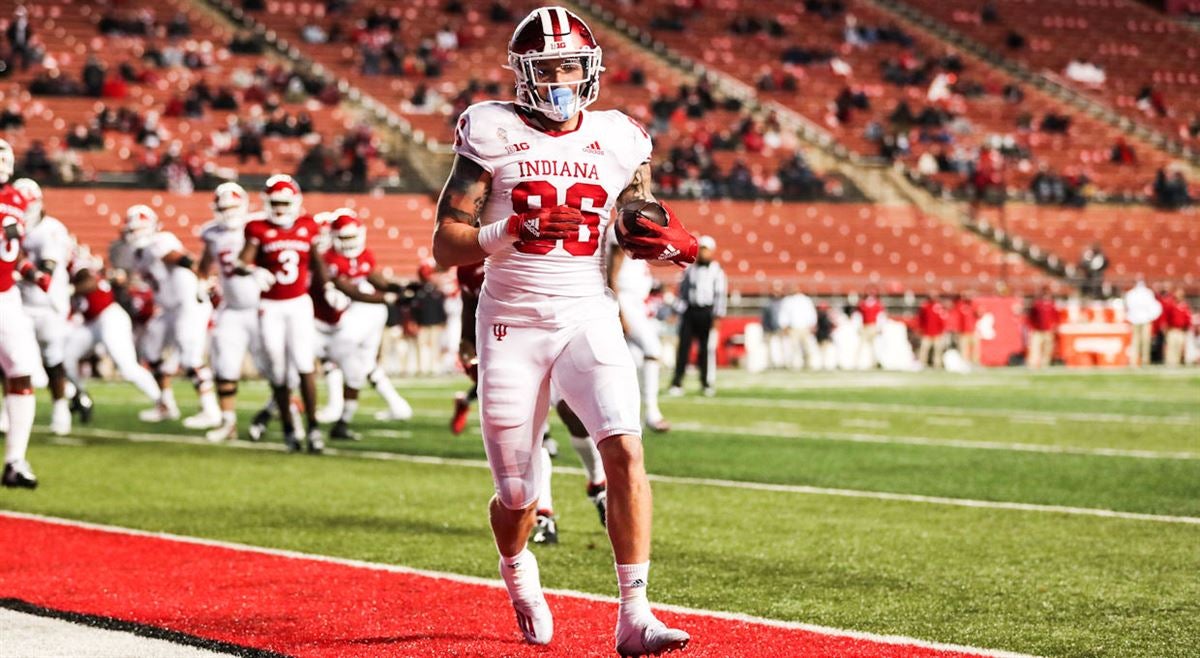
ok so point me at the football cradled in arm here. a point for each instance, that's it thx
(671, 242)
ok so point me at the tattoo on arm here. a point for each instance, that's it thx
(465, 194)
(639, 187)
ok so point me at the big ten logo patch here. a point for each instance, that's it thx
(513, 148)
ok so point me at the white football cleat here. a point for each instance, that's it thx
(649, 637)
(158, 413)
(675, 392)
(202, 421)
(60, 419)
(529, 602)
(222, 433)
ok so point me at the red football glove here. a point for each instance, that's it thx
(670, 243)
(34, 275)
(545, 224)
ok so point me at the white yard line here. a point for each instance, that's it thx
(868, 423)
(1047, 416)
(144, 437)
(471, 580)
(786, 431)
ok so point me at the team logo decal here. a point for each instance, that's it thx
(499, 331)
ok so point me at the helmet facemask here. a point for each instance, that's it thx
(282, 200)
(544, 94)
(231, 205)
(141, 223)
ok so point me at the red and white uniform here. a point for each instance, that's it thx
(634, 283)
(235, 321)
(285, 311)
(545, 313)
(350, 338)
(105, 323)
(182, 318)
(18, 344)
(49, 241)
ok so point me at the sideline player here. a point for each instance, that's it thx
(531, 190)
(235, 326)
(632, 282)
(48, 246)
(18, 344)
(279, 254)
(181, 321)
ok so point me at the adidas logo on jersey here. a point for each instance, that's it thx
(594, 148)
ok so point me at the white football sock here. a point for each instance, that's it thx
(349, 408)
(545, 499)
(20, 409)
(229, 418)
(520, 573)
(168, 398)
(590, 456)
(144, 382)
(650, 370)
(62, 405)
(208, 404)
(334, 395)
(632, 580)
(399, 407)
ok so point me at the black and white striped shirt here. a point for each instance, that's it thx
(705, 286)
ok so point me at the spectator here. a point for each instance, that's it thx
(1142, 308)
(36, 164)
(1171, 189)
(1092, 266)
(245, 43)
(250, 145)
(12, 117)
(179, 26)
(1178, 325)
(84, 139)
(149, 134)
(1151, 101)
(1086, 73)
(20, 38)
(702, 295)
(93, 76)
(1043, 320)
(1122, 153)
(931, 325)
(225, 100)
(446, 39)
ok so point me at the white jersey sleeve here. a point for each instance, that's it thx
(224, 244)
(586, 168)
(172, 285)
(49, 241)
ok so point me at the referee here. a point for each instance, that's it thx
(702, 294)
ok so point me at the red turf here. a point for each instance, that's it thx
(307, 607)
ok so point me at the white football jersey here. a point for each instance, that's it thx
(49, 240)
(172, 285)
(634, 280)
(225, 244)
(586, 168)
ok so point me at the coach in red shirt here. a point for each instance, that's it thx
(965, 319)
(931, 324)
(1043, 320)
(1178, 322)
(869, 309)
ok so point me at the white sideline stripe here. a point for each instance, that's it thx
(33, 636)
(785, 431)
(949, 422)
(1025, 416)
(141, 437)
(865, 422)
(497, 584)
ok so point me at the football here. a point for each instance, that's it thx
(649, 210)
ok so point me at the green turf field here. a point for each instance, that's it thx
(1000, 533)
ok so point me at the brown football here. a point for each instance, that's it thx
(649, 210)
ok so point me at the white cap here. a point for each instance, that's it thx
(707, 242)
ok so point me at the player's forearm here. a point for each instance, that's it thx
(456, 243)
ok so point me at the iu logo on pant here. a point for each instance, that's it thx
(499, 331)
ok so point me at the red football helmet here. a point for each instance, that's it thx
(282, 198)
(554, 33)
(349, 234)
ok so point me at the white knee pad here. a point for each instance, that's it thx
(518, 492)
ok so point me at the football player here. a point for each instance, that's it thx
(470, 283)
(281, 255)
(531, 190)
(354, 312)
(18, 344)
(631, 280)
(181, 321)
(235, 327)
(48, 245)
(104, 323)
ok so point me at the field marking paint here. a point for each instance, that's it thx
(1051, 416)
(868, 423)
(1032, 420)
(946, 421)
(497, 584)
(140, 437)
(777, 430)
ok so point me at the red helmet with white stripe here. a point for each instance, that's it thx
(349, 234)
(282, 197)
(231, 204)
(550, 38)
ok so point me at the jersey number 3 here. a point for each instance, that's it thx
(587, 198)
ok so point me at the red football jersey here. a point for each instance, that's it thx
(870, 308)
(356, 268)
(470, 278)
(141, 304)
(91, 305)
(12, 206)
(285, 253)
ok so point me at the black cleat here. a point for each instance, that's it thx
(598, 494)
(82, 404)
(545, 531)
(341, 432)
(291, 442)
(18, 474)
(258, 425)
(315, 441)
